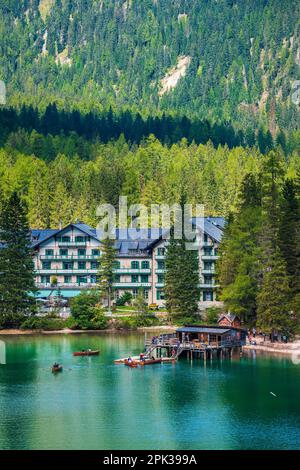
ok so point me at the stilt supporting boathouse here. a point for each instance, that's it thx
(198, 342)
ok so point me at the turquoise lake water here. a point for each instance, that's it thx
(95, 404)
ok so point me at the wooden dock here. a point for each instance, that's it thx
(188, 342)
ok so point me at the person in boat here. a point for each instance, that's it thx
(142, 357)
(129, 360)
(55, 365)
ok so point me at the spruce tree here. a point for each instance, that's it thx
(106, 270)
(273, 300)
(16, 265)
(182, 277)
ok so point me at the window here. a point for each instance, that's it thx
(46, 264)
(81, 265)
(160, 295)
(205, 238)
(135, 293)
(208, 266)
(208, 280)
(93, 279)
(117, 278)
(135, 265)
(161, 251)
(160, 265)
(67, 265)
(94, 264)
(208, 296)
(145, 265)
(64, 239)
(80, 239)
(81, 280)
(68, 279)
(216, 251)
(134, 278)
(117, 265)
(45, 279)
(208, 251)
(146, 294)
(96, 253)
(49, 253)
(63, 252)
(81, 253)
(160, 278)
(144, 278)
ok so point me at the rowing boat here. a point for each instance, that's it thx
(131, 364)
(150, 362)
(56, 369)
(86, 353)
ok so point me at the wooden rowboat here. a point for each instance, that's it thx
(57, 369)
(131, 364)
(86, 353)
(149, 362)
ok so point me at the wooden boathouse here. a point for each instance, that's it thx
(198, 342)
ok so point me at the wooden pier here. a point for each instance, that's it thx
(197, 343)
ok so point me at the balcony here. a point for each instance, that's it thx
(160, 285)
(208, 271)
(66, 271)
(59, 257)
(72, 243)
(210, 257)
(209, 286)
(160, 257)
(132, 271)
(160, 271)
(62, 285)
(132, 285)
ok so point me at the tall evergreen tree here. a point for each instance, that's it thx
(237, 268)
(16, 265)
(181, 277)
(273, 300)
(106, 270)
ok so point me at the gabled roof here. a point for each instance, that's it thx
(229, 316)
(40, 236)
(203, 329)
(212, 227)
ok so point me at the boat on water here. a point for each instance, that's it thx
(149, 362)
(133, 364)
(86, 353)
(57, 368)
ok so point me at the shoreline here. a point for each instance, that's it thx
(67, 331)
(289, 349)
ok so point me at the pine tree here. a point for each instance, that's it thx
(237, 268)
(182, 277)
(273, 300)
(106, 269)
(288, 233)
(16, 265)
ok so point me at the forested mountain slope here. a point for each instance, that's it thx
(227, 60)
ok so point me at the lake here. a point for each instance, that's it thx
(95, 404)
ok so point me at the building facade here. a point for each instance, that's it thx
(67, 260)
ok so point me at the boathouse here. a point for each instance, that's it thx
(196, 341)
(228, 319)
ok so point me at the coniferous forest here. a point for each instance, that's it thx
(151, 99)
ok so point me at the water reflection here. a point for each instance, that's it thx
(95, 404)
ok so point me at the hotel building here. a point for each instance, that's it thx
(67, 259)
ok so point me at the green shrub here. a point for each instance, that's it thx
(126, 298)
(43, 323)
(212, 315)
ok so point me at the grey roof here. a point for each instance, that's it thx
(210, 228)
(203, 329)
(140, 240)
